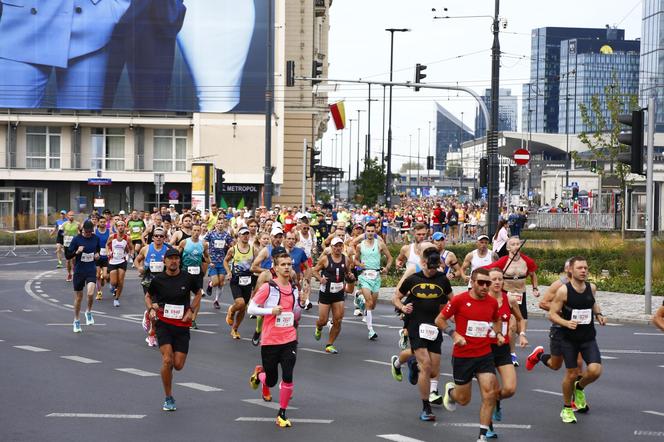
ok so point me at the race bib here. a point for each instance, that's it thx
(503, 330)
(67, 240)
(370, 274)
(582, 316)
(118, 254)
(103, 252)
(172, 311)
(428, 332)
(87, 257)
(193, 270)
(156, 266)
(518, 297)
(219, 243)
(286, 319)
(136, 229)
(244, 280)
(336, 287)
(477, 329)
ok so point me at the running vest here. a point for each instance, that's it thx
(103, 239)
(135, 229)
(477, 261)
(335, 272)
(192, 255)
(267, 262)
(370, 257)
(274, 299)
(242, 261)
(154, 259)
(306, 244)
(443, 261)
(504, 313)
(118, 249)
(70, 230)
(413, 259)
(579, 308)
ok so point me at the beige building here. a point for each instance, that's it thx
(48, 156)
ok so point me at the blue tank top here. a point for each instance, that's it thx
(154, 255)
(103, 239)
(267, 262)
(192, 255)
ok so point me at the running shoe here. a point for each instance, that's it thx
(490, 434)
(482, 438)
(308, 305)
(77, 327)
(515, 360)
(151, 340)
(216, 305)
(229, 317)
(69, 278)
(235, 334)
(208, 290)
(567, 416)
(448, 402)
(331, 349)
(413, 370)
(396, 372)
(59, 266)
(357, 312)
(283, 422)
(534, 357)
(403, 339)
(580, 399)
(194, 325)
(99, 296)
(254, 382)
(112, 290)
(89, 320)
(169, 404)
(373, 335)
(317, 333)
(116, 303)
(360, 302)
(256, 339)
(435, 398)
(427, 416)
(497, 415)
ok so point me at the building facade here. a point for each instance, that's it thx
(450, 133)
(651, 78)
(507, 112)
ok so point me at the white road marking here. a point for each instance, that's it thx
(137, 372)
(312, 350)
(39, 291)
(44, 295)
(199, 387)
(81, 359)
(95, 415)
(612, 324)
(2, 340)
(31, 348)
(262, 403)
(5, 311)
(661, 366)
(378, 362)
(538, 330)
(398, 438)
(137, 317)
(207, 332)
(656, 413)
(296, 421)
(97, 312)
(555, 393)
(27, 310)
(475, 424)
(648, 334)
(608, 357)
(206, 313)
(649, 433)
(69, 306)
(69, 324)
(53, 300)
(633, 352)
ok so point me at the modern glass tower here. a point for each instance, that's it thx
(651, 76)
(507, 112)
(450, 133)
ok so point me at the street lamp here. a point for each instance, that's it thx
(357, 176)
(388, 181)
(350, 155)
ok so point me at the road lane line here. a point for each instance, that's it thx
(137, 372)
(271, 420)
(649, 433)
(69, 324)
(656, 413)
(312, 350)
(398, 438)
(96, 415)
(69, 306)
(199, 387)
(53, 300)
(44, 295)
(27, 310)
(647, 334)
(262, 403)
(555, 393)
(378, 362)
(633, 352)
(206, 332)
(5, 311)
(31, 348)
(81, 359)
(661, 366)
(39, 291)
(608, 357)
(475, 425)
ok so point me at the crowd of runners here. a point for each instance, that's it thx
(269, 259)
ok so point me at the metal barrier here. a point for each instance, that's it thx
(8, 242)
(573, 221)
(44, 237)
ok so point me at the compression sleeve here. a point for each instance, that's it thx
(254, 309)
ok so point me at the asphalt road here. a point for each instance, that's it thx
(103, 384)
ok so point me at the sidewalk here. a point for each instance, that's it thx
(617, 307)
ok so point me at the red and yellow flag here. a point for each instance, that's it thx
(338, 114)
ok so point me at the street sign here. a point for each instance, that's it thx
(99, 181)
(158, 179)
(521, 157)
(173, 194)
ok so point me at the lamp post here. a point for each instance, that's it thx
(388, 181)
(350, 155)
(357, 176)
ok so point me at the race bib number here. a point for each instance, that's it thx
(518, 297)
(136, 229)
(87, 257)
(172, 311)
(67, 240)
(156, 266)
(118, 254)
(503, 330)
(286, 319)
(428, 332)
(193, 270)
(336, 287)
(370, 274)
(477, 329)
(219, 243)
(244, 280)
(103, 252)
(582, 316)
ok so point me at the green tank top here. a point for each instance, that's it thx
(370, 256)
(135, 229)
(70, 228)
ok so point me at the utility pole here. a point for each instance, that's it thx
(357, 176)
(269, 104)
(418, 157)
(382, 153)
(492, 133)
(367, 153)
(350, 154)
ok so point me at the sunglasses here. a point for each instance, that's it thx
(157, 236)
(484, 282)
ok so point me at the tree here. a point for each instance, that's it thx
(371, 182)
(410, 165)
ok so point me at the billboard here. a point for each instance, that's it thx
(161, 55)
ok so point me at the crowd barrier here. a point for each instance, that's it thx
(8, 242)
(573, 221)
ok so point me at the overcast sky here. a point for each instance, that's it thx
(456, 51)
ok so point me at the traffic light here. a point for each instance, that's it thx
(316, 71)
(593, 166)
(419, 76)
(430, 165)
(290, 73)
(484, 171)
(634, 139)
(314, 160)
(513, 177)
(575, 193)
(220, 177)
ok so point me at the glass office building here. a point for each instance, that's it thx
(507, 112)
(450, 133)
(651, 81)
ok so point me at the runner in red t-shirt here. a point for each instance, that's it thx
(476, 315)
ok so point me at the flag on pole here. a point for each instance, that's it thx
(338, 114)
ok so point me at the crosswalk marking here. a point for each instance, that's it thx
(31, 348)
(53, 300)
(262, 403)
(398, 438)
(81, 359)
(197, 386)
(137, 372)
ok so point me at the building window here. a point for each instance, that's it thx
(170, 150)
(42, 147)
(107, 145)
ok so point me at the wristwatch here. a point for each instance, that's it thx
(523, 333)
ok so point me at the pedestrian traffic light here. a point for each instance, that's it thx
(316, 71)
(314, 160)
(419, 76)
(593, 166)
(220, 177)
(634, 139)
(430, 165)
(290, 73)
(575, 193)
(484, 171)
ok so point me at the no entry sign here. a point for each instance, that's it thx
(521, 157)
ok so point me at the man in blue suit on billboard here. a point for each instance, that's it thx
(68, 36)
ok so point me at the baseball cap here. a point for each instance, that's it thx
(481, 237)
(122, 212)
(438, 236)
(276, 231)
(337, 240)
(172, 251)
(242, 230)
(278, 251)
(88, 226)
(64, 212)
